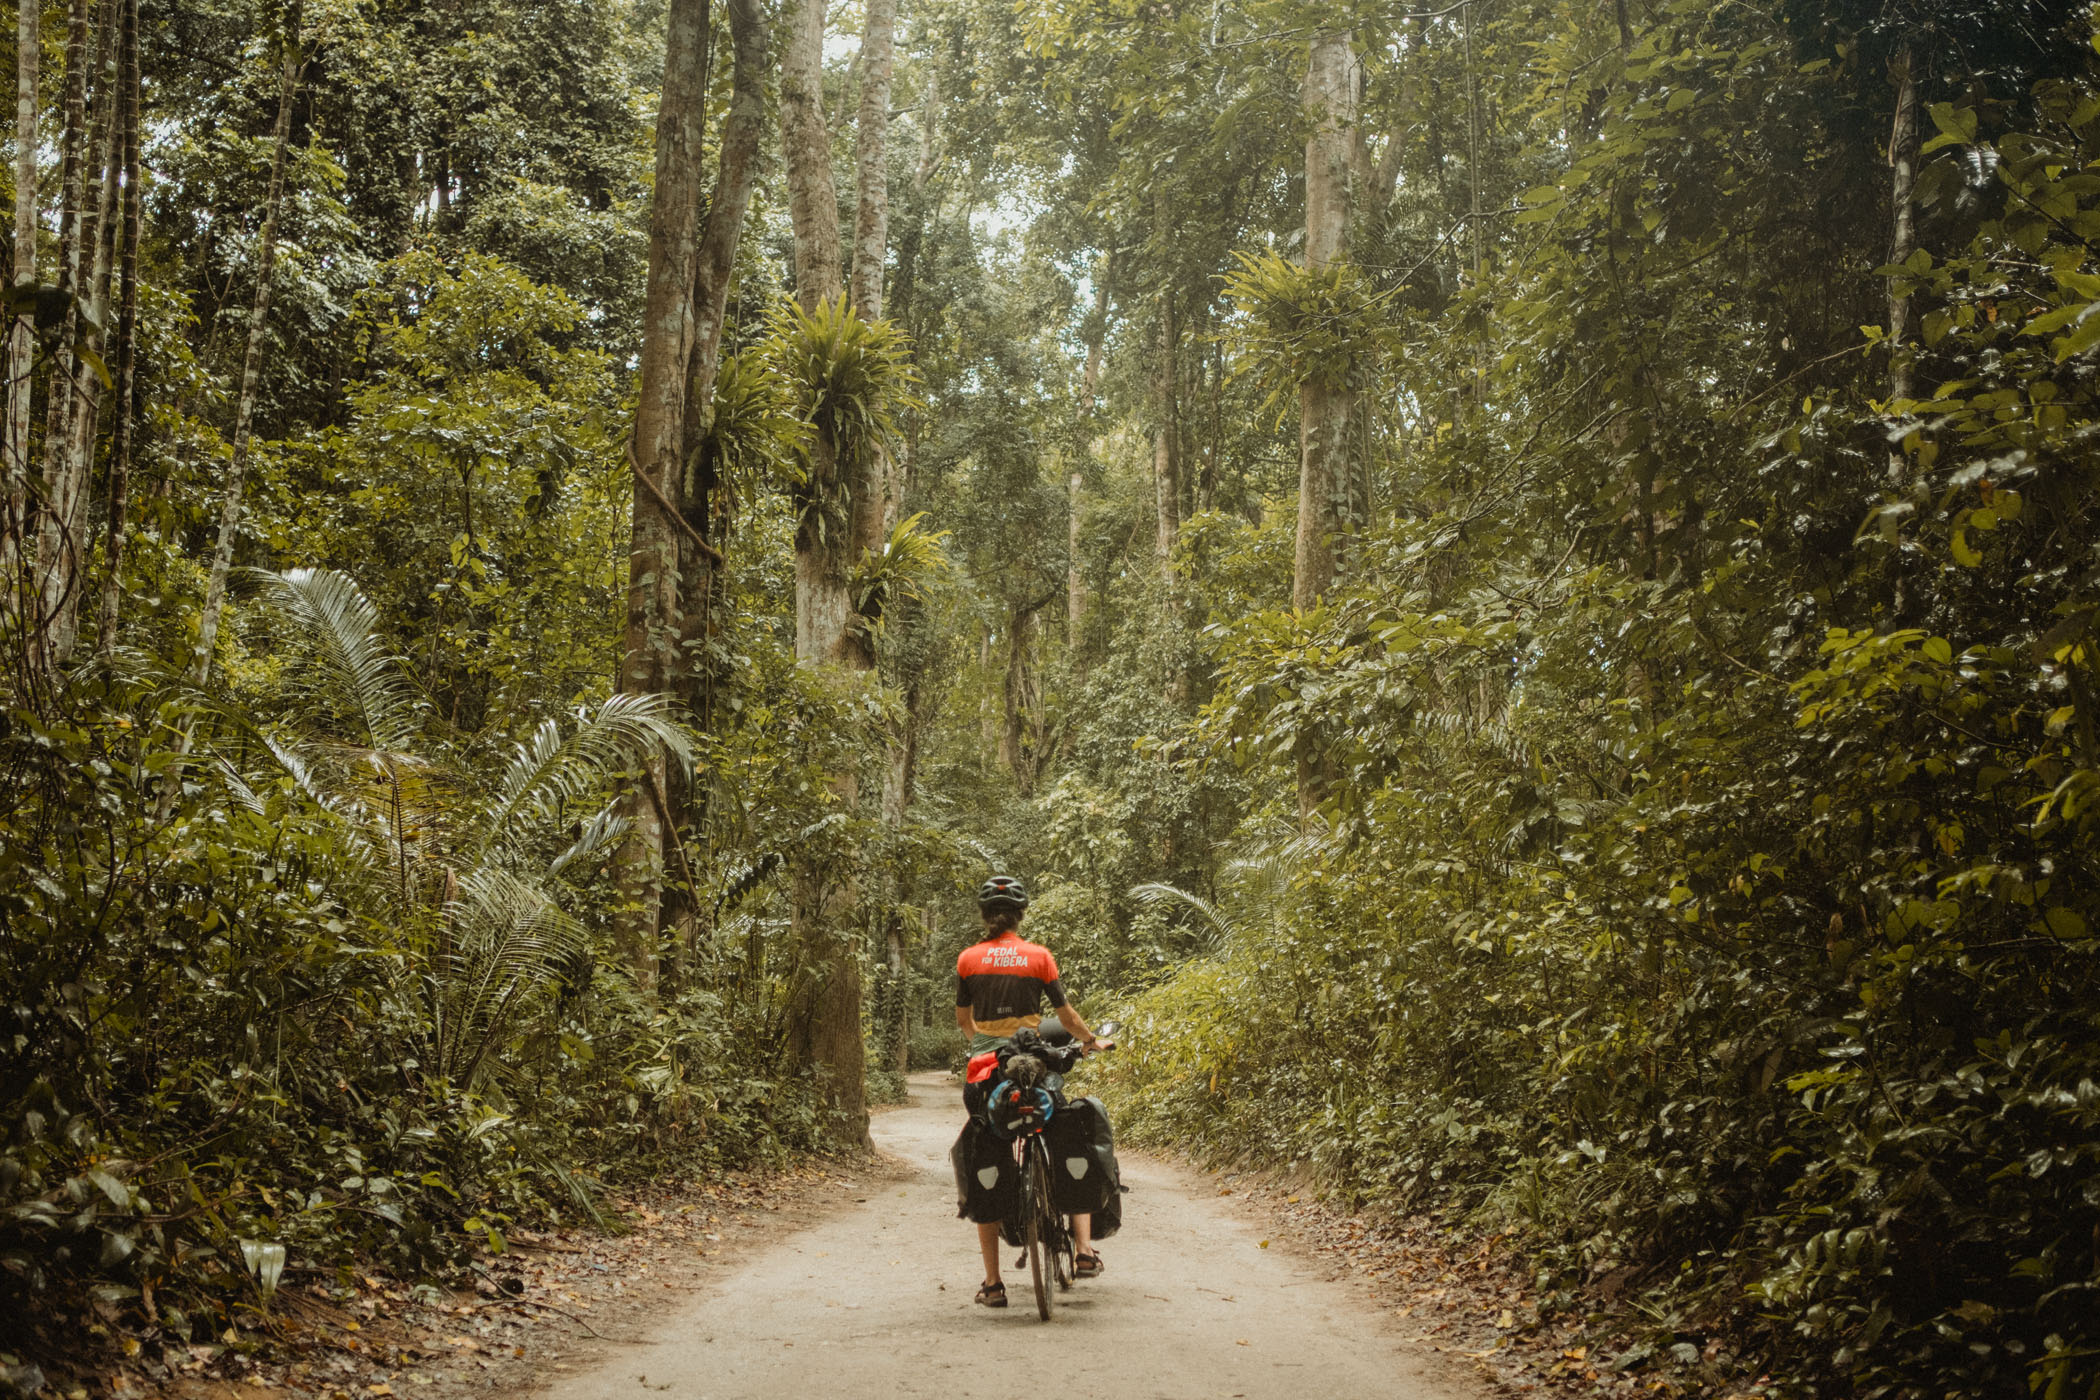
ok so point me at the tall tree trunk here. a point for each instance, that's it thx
(122, 432)
(21, 345)
(649, 651)
(1324, 408)
(750, 38)
(1096, 335)
(1473, 152)
(813, 201)
(58, 395)
(63, 548)
(699, 545)
(872, 218)
(1166, 446)
(1015, 750)
(897, 792)
(823, 1030)
(251, 364)
(1075, 577)
(1903, 165)
(1075, 499)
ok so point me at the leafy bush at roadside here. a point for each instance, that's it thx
(1720, 917)
(328, 1001)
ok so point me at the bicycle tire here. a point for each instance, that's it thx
(1041, 1242)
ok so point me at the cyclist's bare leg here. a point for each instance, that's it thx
(1083, 1234)
(988, 1245)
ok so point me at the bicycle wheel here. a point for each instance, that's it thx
(1039, 1229)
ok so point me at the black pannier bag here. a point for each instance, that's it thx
(1084, 1178)
(986, 1184)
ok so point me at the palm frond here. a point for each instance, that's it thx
(1222, 929)
(505, 943)
(600, 833)
(554, 766)
(338, 625)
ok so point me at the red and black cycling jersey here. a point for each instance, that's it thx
(1004, 981)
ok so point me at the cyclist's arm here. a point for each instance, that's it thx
(1068, 1016)
(964, 1022)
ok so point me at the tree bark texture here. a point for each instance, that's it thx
(699, 484)
(63, 550)
(1075, 577)
(742, 131)
(1166, 447)
(823, 1030)
(58, 401)
(649, 651)
(872, 205)
(21, 346)
(1016, 746)
(897, 791)
(1903, 169)
(824, 997)
(1096, 336)
(251, 366)
(1324, 409)
(123, 432)
(813, 201)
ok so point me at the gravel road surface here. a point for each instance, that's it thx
(873, 1301)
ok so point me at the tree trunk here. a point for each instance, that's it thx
(741, 134)
(813, 202)
(897, 790)
(1473, 152)
(698, 492)
(1166, 447)
(1096, 336)
(649, 658)
(1075, 500)
(1903, 166)
(58, 394)
(123, 432)
(21, 347)
(823, 1030)
(1324, 408)
(872, 220)
(63, 549)
(251, 365)
(1075, 577)
(1015, 750)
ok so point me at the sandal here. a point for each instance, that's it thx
(992, 1295)
(1087, 1266)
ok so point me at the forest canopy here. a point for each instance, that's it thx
(1519, 580)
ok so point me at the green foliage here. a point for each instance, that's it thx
(851, 377)
(1300, 325)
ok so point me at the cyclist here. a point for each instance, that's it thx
(1001, 985)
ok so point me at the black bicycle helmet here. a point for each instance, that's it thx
(1002, 892)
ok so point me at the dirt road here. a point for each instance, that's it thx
(874, 1302)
